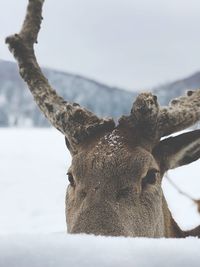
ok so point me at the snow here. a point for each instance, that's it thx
(88, 251)
(33, 181)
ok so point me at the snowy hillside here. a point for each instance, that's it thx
(17, 107)
(32, 223)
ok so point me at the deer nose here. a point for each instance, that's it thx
(98, 219)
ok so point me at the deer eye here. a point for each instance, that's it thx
(71, 179)
(150, 178)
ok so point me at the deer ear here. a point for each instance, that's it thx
(177, 151)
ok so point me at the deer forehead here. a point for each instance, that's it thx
(111, 156)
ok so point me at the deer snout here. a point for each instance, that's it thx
(98, 219)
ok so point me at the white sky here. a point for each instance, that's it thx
(127, 43)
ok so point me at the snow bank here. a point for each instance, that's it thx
(62, 250)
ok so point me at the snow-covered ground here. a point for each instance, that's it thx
(58, 250)
(33, 166)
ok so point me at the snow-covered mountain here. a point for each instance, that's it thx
(17, 107)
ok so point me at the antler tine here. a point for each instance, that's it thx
(182, 113)
(74, 122)
(142, 120)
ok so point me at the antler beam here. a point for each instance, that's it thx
(151, 122)
(74, 122)
(182, 113)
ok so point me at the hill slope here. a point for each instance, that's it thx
(17, 107)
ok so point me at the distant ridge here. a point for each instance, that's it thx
(18, 109)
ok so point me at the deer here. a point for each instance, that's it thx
(115, 178)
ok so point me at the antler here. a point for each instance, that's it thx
(74, 122)
(150, 122)
(182, 113)
(142, 120)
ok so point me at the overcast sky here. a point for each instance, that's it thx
(127, 43)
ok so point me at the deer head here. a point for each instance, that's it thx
(117, 170)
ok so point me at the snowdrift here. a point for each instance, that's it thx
(61, 250)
